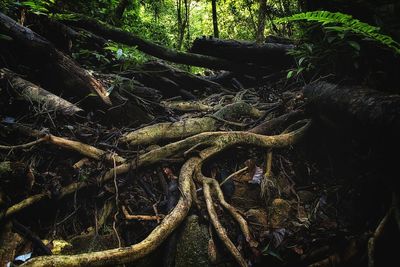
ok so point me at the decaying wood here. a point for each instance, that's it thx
(35, 94)
(58, 68)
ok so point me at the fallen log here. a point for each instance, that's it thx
(182, 78)
(156, 50)
(57, 69)
(267, 54)
(42, 98)
(366, 113)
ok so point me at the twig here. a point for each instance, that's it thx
(128, 216)
(234, 174)
(27, 145)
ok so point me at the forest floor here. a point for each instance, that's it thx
(234, 172)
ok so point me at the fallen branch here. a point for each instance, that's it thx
(33, 93)
(42, 54)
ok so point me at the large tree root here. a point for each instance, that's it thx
(216, 142)
(137, 251)
(181, 129)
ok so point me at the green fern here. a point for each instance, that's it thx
(342, 22)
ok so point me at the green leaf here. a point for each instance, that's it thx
(355, 45)
(290, 74)
(299, 70)
(301, 60)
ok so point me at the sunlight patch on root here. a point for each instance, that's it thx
(187, 106)
(139, 250)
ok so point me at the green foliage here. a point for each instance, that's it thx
(127, 56)
(332, 44)
(341, 23)
(39, 7)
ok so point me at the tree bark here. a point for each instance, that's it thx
(214, 17)
(268, 54)
(359, 111)
(59, 69)
(42, 98)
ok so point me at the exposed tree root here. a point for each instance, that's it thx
(218, 226)
(186, 106)
(216, 142)
(84, 149)
(178, 130)
(392, 213)
(219, 141)
(170, 130)
(141, 249)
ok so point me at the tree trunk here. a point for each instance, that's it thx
(262, 12)
(120, 9)
(59, 69)
(214, 17)
(181, 24)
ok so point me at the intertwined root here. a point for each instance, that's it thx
(178, 130)
(191, 170)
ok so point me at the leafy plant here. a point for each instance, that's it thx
(39, 7)
(332, 44)
(340, 23)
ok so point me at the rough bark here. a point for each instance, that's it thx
(268, 54)
(361, 111)
(58, 69)
(156, 50)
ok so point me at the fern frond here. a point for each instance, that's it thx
(343, 22)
